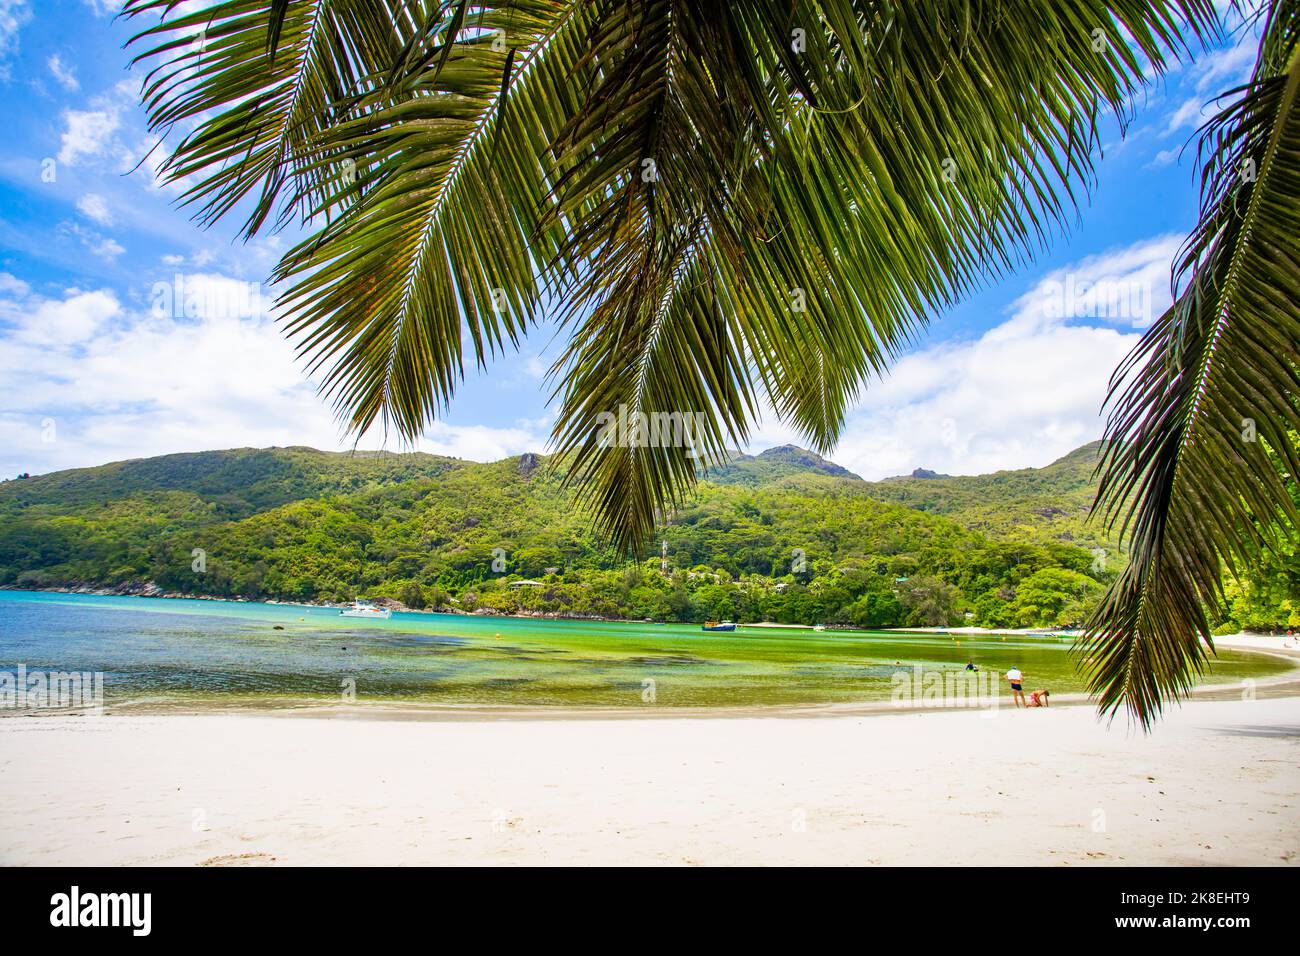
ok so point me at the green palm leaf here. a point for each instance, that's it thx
(731, 206)
(442, 223)
(1209, 390)
(257, 81)
(831, 209)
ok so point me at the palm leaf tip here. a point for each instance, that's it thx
(1201, 435)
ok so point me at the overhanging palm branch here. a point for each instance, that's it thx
(281, 73)
(1211, 388)
(730, 206)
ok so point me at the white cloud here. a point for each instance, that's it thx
(535, 366)
(99, 245)
(1022, 394)
(481, 442)
(109, 133)
(93, 206)
(1165, 157)
(1190, 114)
(13, 286)
(106, 248)
(121, 383)
(1189, 95)
(1211, 76)
(87, 135)
(1227, 67)
(65, 322)
(99, 134)
(14, 14)
(66, 75)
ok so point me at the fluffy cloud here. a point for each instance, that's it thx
(60, 323)
(12, 286)
(87, 134)
(107, 248)
(1022, 394)
(93, 206)
(481, 442)
(108, 132)
(89, 379)
(65, 74)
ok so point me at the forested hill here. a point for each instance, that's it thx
(1031, 504)
(237, 483)
(1037, 504)
(784, 535)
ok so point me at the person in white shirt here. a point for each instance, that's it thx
(1017, 680)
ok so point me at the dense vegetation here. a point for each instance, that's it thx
(1268, 597)
(783, 536)
(1030, 504)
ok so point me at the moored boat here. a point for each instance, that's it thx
(717, 626)
(368, 609)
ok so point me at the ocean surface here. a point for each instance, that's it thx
(160, 654)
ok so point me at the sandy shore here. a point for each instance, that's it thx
(1217, 783)
(1260, 642)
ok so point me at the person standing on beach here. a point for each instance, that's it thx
(1017, 680)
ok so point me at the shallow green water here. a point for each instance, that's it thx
(155, 653)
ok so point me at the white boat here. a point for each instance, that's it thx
(361, 608)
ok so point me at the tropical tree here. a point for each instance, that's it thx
(929, 600)
(1205, 406)
(729, 208)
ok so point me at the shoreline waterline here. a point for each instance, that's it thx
(1270, 688)
(539, 616)
(177, 657)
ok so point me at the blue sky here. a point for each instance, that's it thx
(92, 371)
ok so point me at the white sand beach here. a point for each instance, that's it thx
(1216, 783)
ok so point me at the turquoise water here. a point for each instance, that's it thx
(157, 653)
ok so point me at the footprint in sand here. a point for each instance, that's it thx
(240, 859)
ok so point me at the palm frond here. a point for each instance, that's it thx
(731, 205)
(1210, 389)
(894, 160)
(442, 224)
(257, 82)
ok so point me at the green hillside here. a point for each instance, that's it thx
(1040, 505)
(236, 483)
(1033, 504)
(784, 535)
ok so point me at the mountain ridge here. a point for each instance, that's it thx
(794, 456)
(241, 482)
